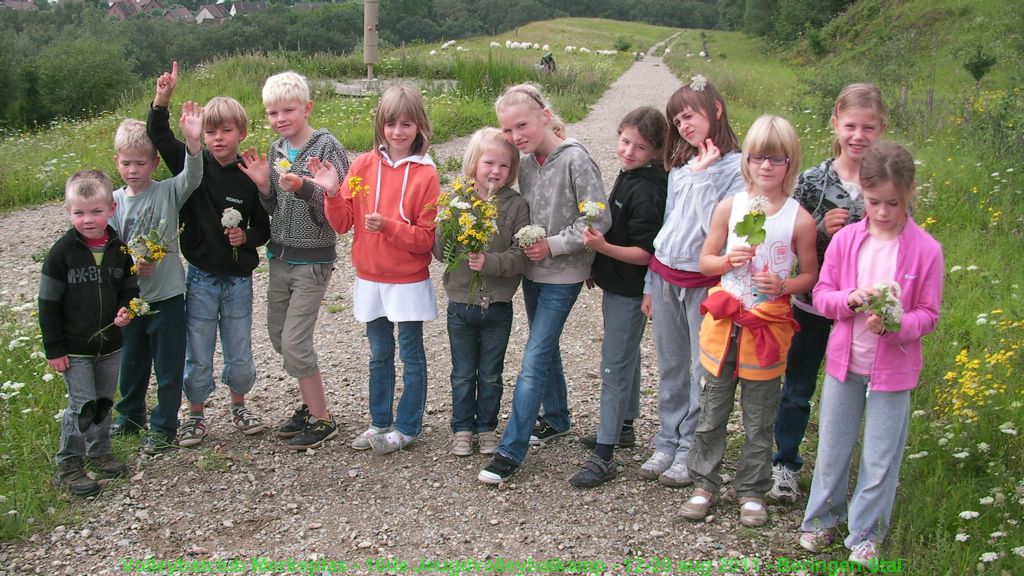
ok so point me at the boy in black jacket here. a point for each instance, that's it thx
(84, 292)
(224, 224)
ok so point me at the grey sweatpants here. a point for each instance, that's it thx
(886, 416)
(624, 325)
(677, 319)
(91, 381)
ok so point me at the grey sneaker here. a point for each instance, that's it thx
(487, 442)
(785, 484)
(677, 475)
(362, 442)
(156, 443)
(192, 432)
(462, 443)
(246, 421)
(71, 476)
(655, 465)
(391, 442)
(315, 434)
(594, 472)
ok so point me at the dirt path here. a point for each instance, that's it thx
(245, 498)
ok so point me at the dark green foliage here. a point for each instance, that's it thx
(82, 76)
(623, 44)
(979, 63)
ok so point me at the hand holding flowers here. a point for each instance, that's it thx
(466, 224)
(882, 301)
(136, 307)
(230, 220)
(149, 248)
(590, 210)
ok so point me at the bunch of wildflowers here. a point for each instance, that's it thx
(591, 210)
(886, 305)
(231, 219)
(529, 235)
(466, 224)
(150, 246)
(751, 227)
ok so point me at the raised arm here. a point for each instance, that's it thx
(158, 126)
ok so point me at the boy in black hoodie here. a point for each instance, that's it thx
(224, 224)
(84, 292)
(637, 205)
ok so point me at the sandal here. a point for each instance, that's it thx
(697, 507)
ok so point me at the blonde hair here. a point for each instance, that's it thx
(285, 87)
(222, 110)
(678, 151)
(403, 100)
(886, 163)
(529, 95)
(863, 95)
(89, 184)
(483, 139)
(131, 137)
(772, 136)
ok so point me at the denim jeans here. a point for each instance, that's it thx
(804, 362)
(154, 342)
(541, 378)
(213, 302)
(478, 341)
(91, 381)
(381, 333)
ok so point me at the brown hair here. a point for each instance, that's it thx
(222, 110)
(651, 125)
(88, 184)
(886, 163)
(483, 139)
(772, 136)
(862, 95)
(677, 151)
(530, 95)
(403, 100)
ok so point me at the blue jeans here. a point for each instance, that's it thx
(154, 342)
(804, 361)
(213, 302)
(381, 333)
(478, 341)
(541, 378)
(91, 382)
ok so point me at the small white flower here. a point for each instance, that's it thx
(943, 441)
(918, 413)
(972, 268)
(698, 82)
(961, 537)
(961, 455)
(997, 534)
(60, 414)
(983, 447)
(231, 218)
(47, 377)
(968, 515)
(986, 500)
(27, 410)
(920, 454)
(989, 557)
(1019, 551)
(1010, 431)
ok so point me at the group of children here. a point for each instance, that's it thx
(702, 236)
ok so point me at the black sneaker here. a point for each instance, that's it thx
(121, 430)
(499, 470)
(156, 443)
(543, 432)
(295, 424)
(71, 476)
(594, 472)
(107, 465)
(314, 436)
(627, 439)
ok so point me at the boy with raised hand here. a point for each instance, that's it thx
(157, 340)
(302, 247)
(221, 258)
(84, 291)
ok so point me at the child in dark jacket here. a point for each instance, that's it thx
(84, 292)
(637, 206)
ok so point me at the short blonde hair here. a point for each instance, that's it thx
(403, 100)
(285, 87)
(483, 139)
(89, 184)
(772, 136)
(131, 137)
(529, 95)
(222, 110)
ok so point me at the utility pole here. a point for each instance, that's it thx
(371, 55)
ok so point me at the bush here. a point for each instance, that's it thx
(622, 44)
(82, 76)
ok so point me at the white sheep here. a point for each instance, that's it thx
(703, 54)
(515, 45)
(433, 52)
(570, 49)
(448, 44)
(688, 54)
(545, 48)
(536, 46)
(508, 43)
(495, 45)
(585, 50)
(526, 45)
(460, 49)
(668, 51)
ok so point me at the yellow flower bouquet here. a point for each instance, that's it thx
(151, 246)
(466, 225)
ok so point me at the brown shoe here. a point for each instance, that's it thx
(107, 465)
(752, 512)
(697, 507)
(71, 476)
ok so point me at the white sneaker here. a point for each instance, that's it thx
(785, 484)
(864, 554)
(677, 475)
(362, 442)
(655, 465)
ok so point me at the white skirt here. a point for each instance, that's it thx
(414, 302)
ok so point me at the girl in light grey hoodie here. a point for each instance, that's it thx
(703, 156)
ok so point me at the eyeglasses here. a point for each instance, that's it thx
(758, 159)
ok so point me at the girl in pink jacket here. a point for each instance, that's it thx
(874, 353)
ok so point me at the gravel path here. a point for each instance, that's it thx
(239, 497)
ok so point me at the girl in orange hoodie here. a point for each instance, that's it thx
(388, 200)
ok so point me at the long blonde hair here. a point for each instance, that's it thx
(863, 95)
(529, 95)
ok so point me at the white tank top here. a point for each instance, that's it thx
(775, 254)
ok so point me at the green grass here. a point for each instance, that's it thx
(966, 431)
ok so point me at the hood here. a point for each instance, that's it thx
(424, 159)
